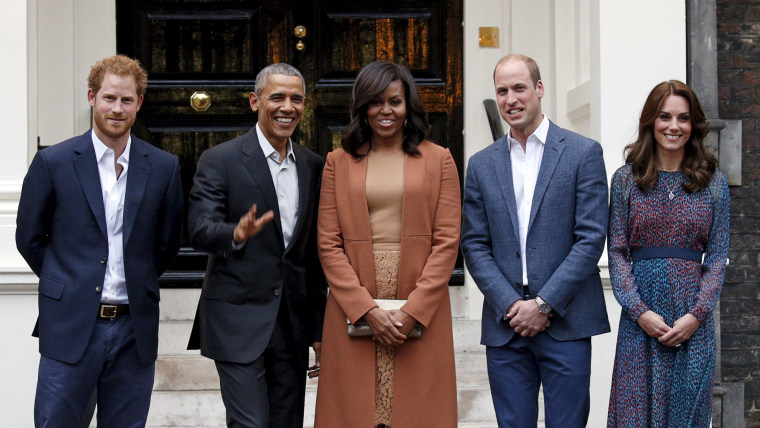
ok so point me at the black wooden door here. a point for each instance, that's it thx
(202, 58)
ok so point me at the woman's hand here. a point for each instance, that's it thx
(386, 329)
(682, 330)
(653, 324)
(407, 321)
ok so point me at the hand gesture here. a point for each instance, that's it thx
(249, 225)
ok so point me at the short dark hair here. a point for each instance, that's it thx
(119, 65)
(698, 163)
(262, 79)
(372, 81)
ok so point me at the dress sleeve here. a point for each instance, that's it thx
(623, 283)
(716, 252)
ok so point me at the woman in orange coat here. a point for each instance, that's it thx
(389, 220)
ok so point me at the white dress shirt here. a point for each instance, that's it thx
(525, 166)
(285, 179)
(113, 189)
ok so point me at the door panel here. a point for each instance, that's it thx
(218, 47)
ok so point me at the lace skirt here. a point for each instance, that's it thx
(386, 279)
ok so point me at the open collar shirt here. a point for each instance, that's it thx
(525, 166)
(285, 179)
(113, 188)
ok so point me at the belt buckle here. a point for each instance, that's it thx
(108, 311)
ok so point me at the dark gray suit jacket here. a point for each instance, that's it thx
(243, 288)
(566, 235)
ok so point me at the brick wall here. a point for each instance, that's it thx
(739, 95)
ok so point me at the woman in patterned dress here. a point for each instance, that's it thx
(388, 228)
(667, 245)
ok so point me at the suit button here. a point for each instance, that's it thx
(276, 292)
(517, 253)
(103, 261)
(98, 289)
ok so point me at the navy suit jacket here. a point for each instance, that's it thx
(566, 234)
(61, 233)
(243, 287)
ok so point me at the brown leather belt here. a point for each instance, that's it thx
(112, 311)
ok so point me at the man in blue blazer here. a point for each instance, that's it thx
(99, 220)
(534, 224)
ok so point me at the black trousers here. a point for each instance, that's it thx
(268, 392)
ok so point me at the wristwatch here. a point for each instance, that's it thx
(543, 307)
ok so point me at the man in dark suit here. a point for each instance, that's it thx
(263, 298)
(535, 221)
(99, 220)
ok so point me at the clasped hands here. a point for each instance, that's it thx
(655, 326)
(390, 327)
(526, 319)
(248, 225)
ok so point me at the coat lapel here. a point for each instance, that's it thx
(502, 165)
(138, 175)
(552, 152)
(357, 191)
(256, 164)
(86, 167)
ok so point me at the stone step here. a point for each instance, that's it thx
(204, 408)
(196, 373)
(173, 336)
(179, 304)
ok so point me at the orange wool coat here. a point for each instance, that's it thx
(424, 393)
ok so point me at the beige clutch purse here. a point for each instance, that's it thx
(362, 329)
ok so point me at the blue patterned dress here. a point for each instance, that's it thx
(654, 385)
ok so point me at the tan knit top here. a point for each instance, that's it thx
(385, 187)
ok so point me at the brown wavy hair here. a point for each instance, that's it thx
(372, 81)
(120, 65)
(698, 163)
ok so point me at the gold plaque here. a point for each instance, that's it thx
(488, 37)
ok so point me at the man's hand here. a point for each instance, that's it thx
(249, 225)
(682, 330)
(313, 371)
(526, 319)
(386, 329)
(653, 324)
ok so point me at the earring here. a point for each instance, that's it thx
(406, 122)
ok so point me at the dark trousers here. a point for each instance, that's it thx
(517, 370)
(111, 365)
(270, 391)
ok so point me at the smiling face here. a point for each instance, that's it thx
(114, 109)
(386, 114)
(280, 107)
(518, 98)
(672, 128)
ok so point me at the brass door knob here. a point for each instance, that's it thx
(200, 101)
(300, 31)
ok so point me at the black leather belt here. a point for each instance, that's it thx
(112, 311)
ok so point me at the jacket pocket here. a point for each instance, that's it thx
(227, 292)
(52, 288)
